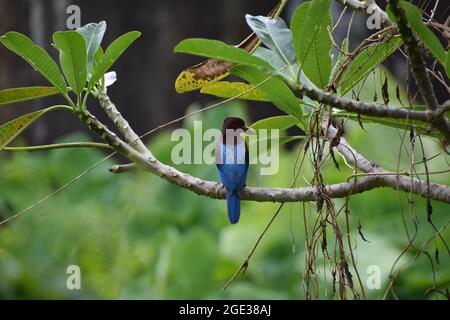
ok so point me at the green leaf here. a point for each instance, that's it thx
(226, 89)
(219, 50)
(112, 53)
(276, 89)
(15, 95)
(73, 58)
(365, 62)
(93, 35)
(290, 73)
(312, 41)
(13, 128)
(98, 56)
(428, 38)
(275, 35)
(37, 57)
(277, 122)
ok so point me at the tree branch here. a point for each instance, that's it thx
(361, 107)
(417, 64)
(116, 117)
(386, 178)
(120, 168)
(144, 159)
(216, 190)
(110, 137)
(372, 109)
(442, 110)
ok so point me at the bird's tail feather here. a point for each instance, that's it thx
(233, 206)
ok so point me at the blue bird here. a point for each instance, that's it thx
(232, 163)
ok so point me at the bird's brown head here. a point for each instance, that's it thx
(233, 123)
(234, 126)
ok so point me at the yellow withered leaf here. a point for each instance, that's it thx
(227, 89)
(213, 70)
(200, 75)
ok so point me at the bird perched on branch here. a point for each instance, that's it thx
(232, 163)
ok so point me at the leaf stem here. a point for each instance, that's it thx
(59, 146)
(71, 103)
(60, 107)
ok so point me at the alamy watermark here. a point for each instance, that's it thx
(200, 147)
(73, 21)
(73, 281)
(373, 281)
(373, 22)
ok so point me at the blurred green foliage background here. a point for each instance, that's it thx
(136, 236)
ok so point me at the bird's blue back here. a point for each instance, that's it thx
(232, 165)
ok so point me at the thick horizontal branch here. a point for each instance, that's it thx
(373, 109)
(361, 107)
(216, 190)
(384, 177)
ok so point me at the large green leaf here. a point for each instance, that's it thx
(11, 129)
(15, 95)
(37, 57)
(73, 58)
(312, 41)
(112, 53)
(275, 35)
(226, 89)
(289, 73)
(428, 38)
(219, 50)
(365, 62)
(276, 89)
(93, 35)
(277, 122)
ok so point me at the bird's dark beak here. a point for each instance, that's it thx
(249, 130)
